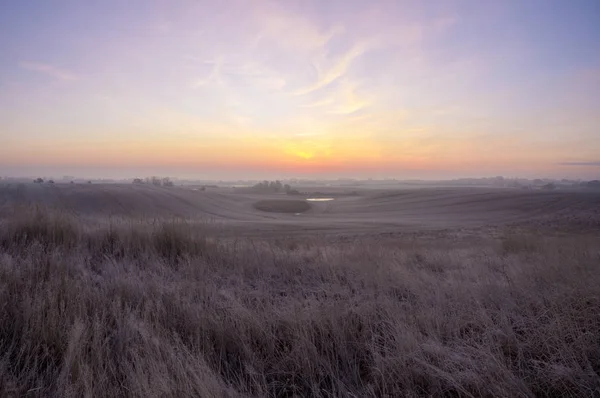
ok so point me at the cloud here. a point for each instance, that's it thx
(241, 71)
(592, 164)
(336, 71)
(291, 30)
(320, 103)
(349, 100)
(213, 77)
(50, 70)
(344, 100)
(256, 74)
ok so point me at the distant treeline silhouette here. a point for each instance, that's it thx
(274, 186)
(156, 181)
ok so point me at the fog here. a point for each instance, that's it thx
(566, 171)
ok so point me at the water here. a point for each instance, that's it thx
(319, 199)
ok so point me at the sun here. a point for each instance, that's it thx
(305, 155)
(304, 151)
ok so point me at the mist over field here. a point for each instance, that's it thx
(300, 198)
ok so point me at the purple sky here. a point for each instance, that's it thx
(407, 89)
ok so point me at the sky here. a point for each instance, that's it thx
(298, 88)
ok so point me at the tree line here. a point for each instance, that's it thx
(156, 181)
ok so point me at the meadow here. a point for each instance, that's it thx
(95, 305)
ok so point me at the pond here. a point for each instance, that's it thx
(319, 199)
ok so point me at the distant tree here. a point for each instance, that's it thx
(593, 184)
(287, 188)
(293, 192)
(138, 181)
(155, 181)
(89, 182)
(50, 181)
(72, 182)
(271, 186)
(550, 186)
(38, 180)
(166, 182)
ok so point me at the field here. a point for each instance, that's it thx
(123, 290)
(353, 212)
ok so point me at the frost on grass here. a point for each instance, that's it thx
(163, 310)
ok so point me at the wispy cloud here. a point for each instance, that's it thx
(343, 100)
(349, 100)
(50, 70)
(213, 77)
(256, 74)
(319, 103)
(337, 70)
(293, 31)
(593, 164)
(241, 70)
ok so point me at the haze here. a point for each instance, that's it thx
(244, 89)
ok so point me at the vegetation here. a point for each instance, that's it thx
(163, 310)
(291, 191)
(271, 186)
(593, 184)
(156, 181)
(283, 206)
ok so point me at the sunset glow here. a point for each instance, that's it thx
(406, 89)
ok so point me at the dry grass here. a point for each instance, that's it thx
(165, 311)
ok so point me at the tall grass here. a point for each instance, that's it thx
(165, 311)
